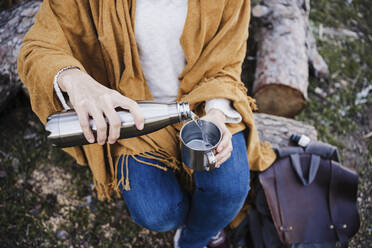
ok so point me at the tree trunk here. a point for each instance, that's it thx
(285, 47)
(14, 23)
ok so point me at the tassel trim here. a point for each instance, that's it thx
(104, 191)
(159, 155)
(187, 178)
(252, 103)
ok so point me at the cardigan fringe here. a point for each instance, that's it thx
(170, 162)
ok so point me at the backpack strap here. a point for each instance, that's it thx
(325, 151)
(314, 166)
(316, 149)
(286, 151)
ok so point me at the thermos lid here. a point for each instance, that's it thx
(184, 111)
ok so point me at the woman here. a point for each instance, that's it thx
(105, 54)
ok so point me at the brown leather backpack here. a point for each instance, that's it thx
(311, 197)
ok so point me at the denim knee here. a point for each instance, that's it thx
(232, 192)
(155, 200)
(230, 182)
(161, 217)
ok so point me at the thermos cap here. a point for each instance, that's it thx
(301, 140)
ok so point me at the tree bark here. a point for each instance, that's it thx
(277, 130)
(14, 23)
(285, 48)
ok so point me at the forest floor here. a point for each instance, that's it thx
(47, 200)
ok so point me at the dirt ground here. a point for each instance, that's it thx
(46, 200)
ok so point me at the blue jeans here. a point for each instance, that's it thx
(156, 200)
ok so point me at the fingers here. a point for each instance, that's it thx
(84, 109)
(84, 123)
(223, 156)
(90, 98)
(224, 149)
(100, 125)
(114, 121)
(115, 125)
(108, 103)
(101, 106)
(133, 107)
(225, 141)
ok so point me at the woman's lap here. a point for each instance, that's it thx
(155, 200)
(158, 202)
(218, 197)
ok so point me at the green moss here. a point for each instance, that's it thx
(349, 61)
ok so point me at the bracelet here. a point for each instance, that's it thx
(58, 90)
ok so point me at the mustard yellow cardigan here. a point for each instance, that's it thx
(98, 37)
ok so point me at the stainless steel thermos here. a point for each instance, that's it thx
(65, 129)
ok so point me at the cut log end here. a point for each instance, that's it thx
(279, 100)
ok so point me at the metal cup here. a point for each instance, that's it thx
(200, 158)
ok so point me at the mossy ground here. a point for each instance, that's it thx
(46, 200)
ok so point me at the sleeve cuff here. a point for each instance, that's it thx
(232, 116)
(58, 90)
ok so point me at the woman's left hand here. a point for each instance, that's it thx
(224, 148)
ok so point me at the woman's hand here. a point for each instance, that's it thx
(90, 98)
(224, 148)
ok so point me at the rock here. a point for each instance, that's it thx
(51, 200)
(62, 234)
(14, 24)
(3, 174)
(15, 164)
(30, 136)
(320, 92)
(36, 210)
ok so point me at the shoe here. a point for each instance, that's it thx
(220, 240)
(177, 236)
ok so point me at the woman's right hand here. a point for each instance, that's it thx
(90, 98)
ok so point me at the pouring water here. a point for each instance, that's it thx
(199, 144)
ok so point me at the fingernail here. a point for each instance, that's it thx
(90, 140)
(141, 126)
